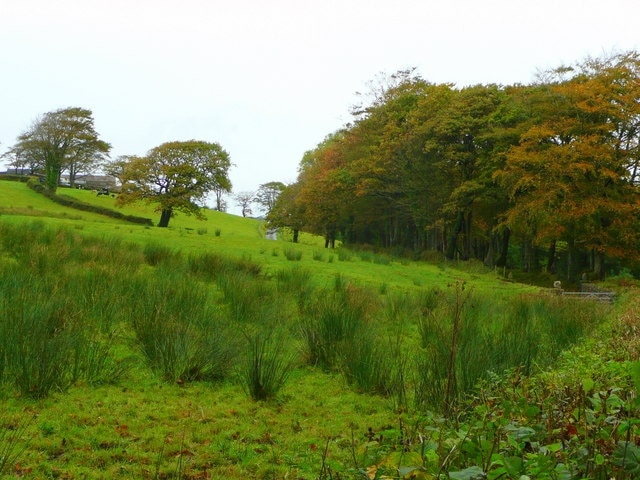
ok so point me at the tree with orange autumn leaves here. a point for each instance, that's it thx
(541, 176)
(572, 178)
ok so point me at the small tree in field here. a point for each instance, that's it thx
(268, 194)
(244, 201)
(287, 212)
(176, 176)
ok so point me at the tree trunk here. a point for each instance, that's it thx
(453, 240)
(489, 260)
(165, 216)
(527, 255)
(598, 265)
(571, 259)
(52, 173)
(551, 261)
(467, 237)
(504, 248)
(295, 235)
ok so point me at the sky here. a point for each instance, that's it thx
(268, 80)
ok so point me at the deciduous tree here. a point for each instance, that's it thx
(571, 177)
(58, 140)
(288, 211)
(267, 195)
(244, 201)
(176, 176)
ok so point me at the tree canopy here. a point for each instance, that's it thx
(267, 195)
(470, 172)
(176, 176)
(64, 139)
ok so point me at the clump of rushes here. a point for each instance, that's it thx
(266, 367)
(331, 322)
(180, 333)
(156, 254)
(292, 254)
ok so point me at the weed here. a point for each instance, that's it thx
(248, 299)
(208, 265)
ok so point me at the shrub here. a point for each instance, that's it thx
(366, 364)
(70, 202)
(344, 255)
(40, 346)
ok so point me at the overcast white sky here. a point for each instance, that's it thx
(270, 79)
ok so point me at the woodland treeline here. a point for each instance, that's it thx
(537, 177)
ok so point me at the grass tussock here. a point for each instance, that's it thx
(267, 366)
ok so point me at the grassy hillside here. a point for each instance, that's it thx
(239, 237)
(205, 350)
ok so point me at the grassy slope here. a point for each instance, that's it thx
(143, 428)
(244, 238)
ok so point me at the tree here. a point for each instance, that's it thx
(116, 168)
(326, 188)
(572, 177)
(287, 212)
(177, 177)
(267, 195)
(63, 139)
(244, 201)
(221, 203)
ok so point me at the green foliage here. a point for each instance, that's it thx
(64, 139)
(248, 299)
(176, 177)
(523, 333)
(296, 280)
(9, 177)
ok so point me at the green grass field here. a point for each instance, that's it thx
(239, 237)
(127, 352)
